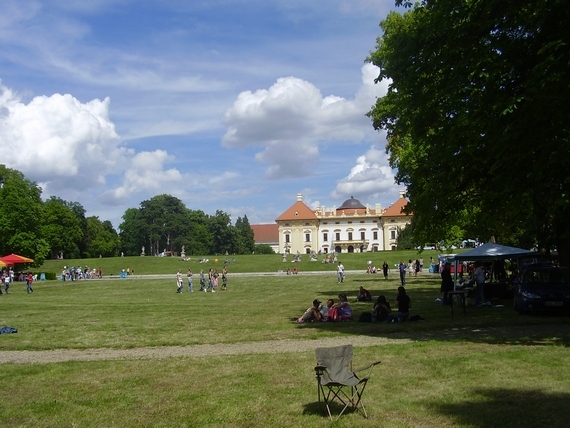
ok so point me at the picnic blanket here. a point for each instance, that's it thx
(6, 330)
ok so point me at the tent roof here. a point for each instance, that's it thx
(490, 251)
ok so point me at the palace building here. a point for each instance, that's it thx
(350, 228)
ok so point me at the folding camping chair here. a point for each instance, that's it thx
(335, 378)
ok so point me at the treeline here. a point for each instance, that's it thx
(54, 228)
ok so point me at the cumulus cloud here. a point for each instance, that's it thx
(69, 147)
(291, 118)
(58, 140)
(369, 178)
(145, 173)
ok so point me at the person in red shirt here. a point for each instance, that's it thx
(364, 295)
(29, 280)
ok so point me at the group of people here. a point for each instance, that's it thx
(477, 278)
(342, 311)
(413, 267)
(77, 273)
(7, 277)
(212, 280)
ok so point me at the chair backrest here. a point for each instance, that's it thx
(337, 361)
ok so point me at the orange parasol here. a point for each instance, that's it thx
(12, 259)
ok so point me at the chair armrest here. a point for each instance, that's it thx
(369, 366)
(320, 370)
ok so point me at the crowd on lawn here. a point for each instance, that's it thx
(76, 273)
(7, 277)
(342, 311)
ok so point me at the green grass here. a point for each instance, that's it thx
(243, 263)
(479, 370)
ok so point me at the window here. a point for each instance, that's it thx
(287, 238)
(350, 236)
(375, 235)
(307, 237)
(363, 235)
(337, 236)
(392, 234)
(325, 237)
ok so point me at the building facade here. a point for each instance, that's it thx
(352, 227)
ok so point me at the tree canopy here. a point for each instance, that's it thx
(477, 117)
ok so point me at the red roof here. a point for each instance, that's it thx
(395, 210)
(297, 211)
(264, 233)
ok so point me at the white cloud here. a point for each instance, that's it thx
(58, 140)
(146, 173)
(291, 118)
(369, 178)
(70, 147)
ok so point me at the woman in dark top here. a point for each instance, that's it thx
(403, 303)
(382, 310)
(385, 270)
(446, 283)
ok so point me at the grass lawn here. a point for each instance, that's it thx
(480, 370)
(240, 263)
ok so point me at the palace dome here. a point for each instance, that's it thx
(351, 204)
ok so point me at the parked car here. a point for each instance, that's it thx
(542, 288)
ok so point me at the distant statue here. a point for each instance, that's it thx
(142, 251)
(313, 256)
(284, 257)
(183, 253)
(297, 257)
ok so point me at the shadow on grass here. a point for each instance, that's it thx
(509, 408)
(319, 408)
(493, 325)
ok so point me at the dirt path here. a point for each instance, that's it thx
(522, 335)
(267, 347)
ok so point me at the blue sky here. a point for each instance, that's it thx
(226, 104)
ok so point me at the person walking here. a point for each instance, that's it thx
(385, 270)
(202, 281)
(402, 269)
(190, 285)
(224, 278)
(340, 272)
(179, 282)
(211, 280)
(29, 280)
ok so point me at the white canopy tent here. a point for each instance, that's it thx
(490, 251)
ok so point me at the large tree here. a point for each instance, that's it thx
(21, 211)
(62, 227)
(165, 220)
(477, 117)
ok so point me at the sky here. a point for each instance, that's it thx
(231, 105)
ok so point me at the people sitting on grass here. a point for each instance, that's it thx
(364, 295)
(340, 311)
(382, 311)
(403, 303)
(317, 312)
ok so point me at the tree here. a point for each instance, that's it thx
(102, 238)
(245, 238)
(164, 219)
(219, 227)
(477, 117)
(62, 227)
(132, 233)
(20, 208)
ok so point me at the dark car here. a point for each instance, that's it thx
(542, 288)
